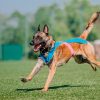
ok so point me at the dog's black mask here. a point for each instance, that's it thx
(40, 39)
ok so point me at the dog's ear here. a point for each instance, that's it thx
(46, 29)
(38, 28)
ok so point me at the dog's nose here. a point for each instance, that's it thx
(31, 43)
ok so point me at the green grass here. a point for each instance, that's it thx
(71, 82)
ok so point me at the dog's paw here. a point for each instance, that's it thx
(44, 90)
(24, 80)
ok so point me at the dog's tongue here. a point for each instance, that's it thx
(37, 47)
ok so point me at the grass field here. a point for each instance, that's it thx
(71, 82)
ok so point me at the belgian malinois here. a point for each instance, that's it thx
(81, 52)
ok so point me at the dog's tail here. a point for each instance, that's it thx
(90, 25)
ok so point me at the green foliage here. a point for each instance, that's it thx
(14, 29)
(63, 23)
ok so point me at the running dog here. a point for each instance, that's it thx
(55, 53)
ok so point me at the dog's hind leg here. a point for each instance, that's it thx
(90, 25)
(92, 65)
(94, 61)
(90, 55)
(80, 59)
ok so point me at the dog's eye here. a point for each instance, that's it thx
(38, 37)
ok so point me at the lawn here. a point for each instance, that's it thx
(71, 82)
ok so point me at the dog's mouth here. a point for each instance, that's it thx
(37, 47)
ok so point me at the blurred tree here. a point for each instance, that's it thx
(74, 16)
(2, 26)
(42, 16)
(78, 13)
(63, 23)
(14, 29)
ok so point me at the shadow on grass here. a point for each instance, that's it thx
(53, 87)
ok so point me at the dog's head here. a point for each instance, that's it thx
(41, 39)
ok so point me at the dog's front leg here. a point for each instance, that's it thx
(52, 70)
(35, 70)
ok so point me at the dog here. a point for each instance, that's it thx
(55, 56)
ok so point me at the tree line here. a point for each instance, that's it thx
(64, 23)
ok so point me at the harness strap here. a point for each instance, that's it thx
(70, 47)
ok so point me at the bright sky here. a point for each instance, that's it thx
(25, 6)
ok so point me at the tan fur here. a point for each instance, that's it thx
(63, 55)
